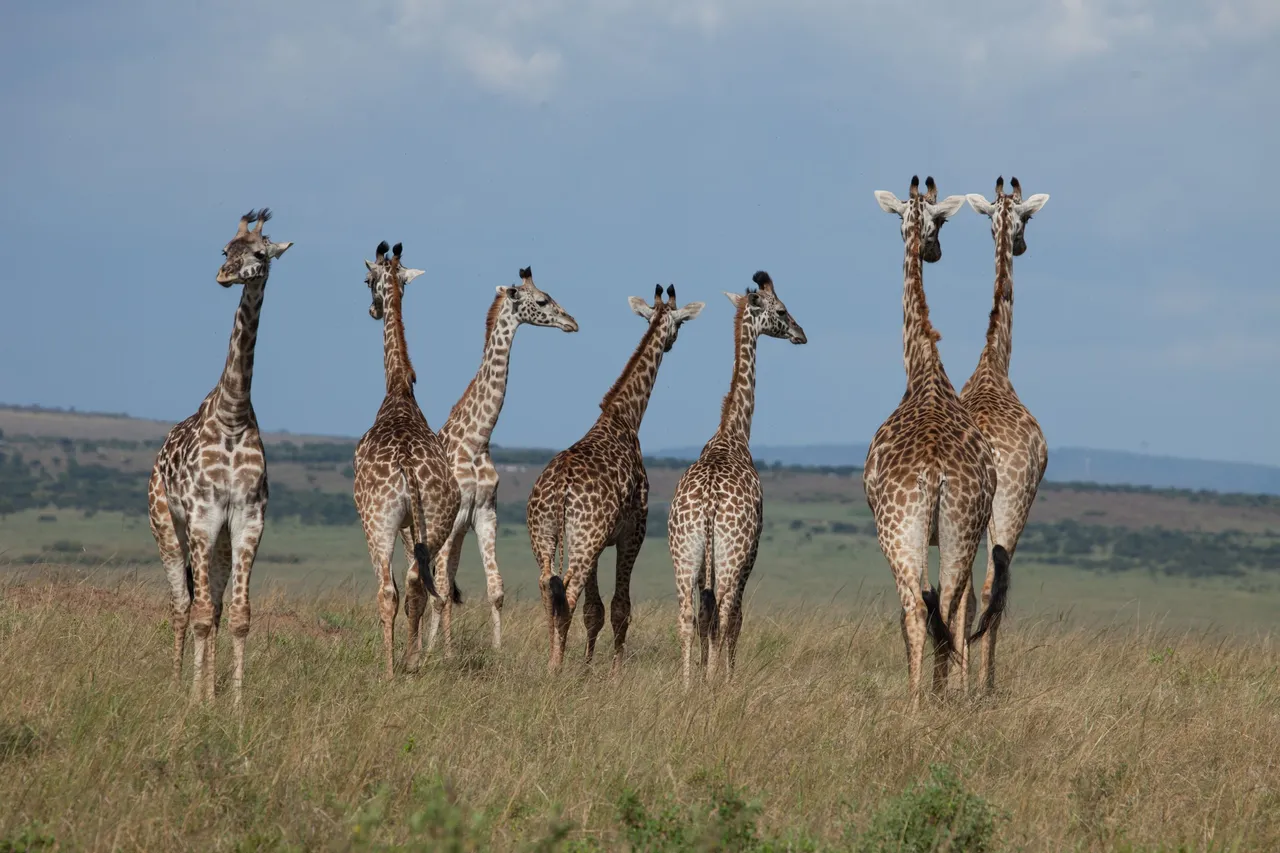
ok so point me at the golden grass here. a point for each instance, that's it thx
(1129, 735)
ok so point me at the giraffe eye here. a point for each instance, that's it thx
(542, 303)
(260, 255)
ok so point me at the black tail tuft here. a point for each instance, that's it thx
(457, 593)
(709, 607)
(999, 592)
(191, 583)
(936, 625)
(559, 600)
(422, 557)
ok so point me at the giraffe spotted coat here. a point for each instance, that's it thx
(1021, 453)
(207, 494)
(596, 494)
(403, 482)
(929, 475)
(718, 509)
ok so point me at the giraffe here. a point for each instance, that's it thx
(716, 514)
(466, 433)
(1017, 441)
(929, 475)
(208, 490)
(596, 494)
(403, 482)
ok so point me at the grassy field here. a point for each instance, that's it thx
(1134, 736)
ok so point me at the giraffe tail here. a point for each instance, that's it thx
(708, 609)
(418, 528)
(935, 624)
(560, 560)
(999, 592)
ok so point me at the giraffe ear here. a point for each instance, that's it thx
(1032, 205)
(638, 305)
(889, 202)
(508, 291)
(948, 207)
(275, 250)
(688, 312)
(407, 275)
(980, 204)
(368, 264)
(735, 298)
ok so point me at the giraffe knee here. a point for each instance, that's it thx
(239, 622)
(201, 615)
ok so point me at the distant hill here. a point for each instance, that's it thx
(1066, 465)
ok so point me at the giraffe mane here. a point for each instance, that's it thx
(739, 316)
(621, 381)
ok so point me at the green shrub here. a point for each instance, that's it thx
(938, 815)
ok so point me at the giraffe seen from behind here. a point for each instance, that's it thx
(1021, 453)
(404, 484)
(208, 490)
(929, 475)
(471, 422)
(718, 508)
(596, 494)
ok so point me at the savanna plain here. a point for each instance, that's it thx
(1138, 706)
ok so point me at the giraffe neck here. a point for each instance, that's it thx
(740, 402)
(919, 338)
(996, 354)
(629, 396)
(395, 352)
(476, 414)
(232, 408)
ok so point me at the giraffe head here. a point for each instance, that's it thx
(764, 310)
(1009, 213)
(665, 316)
(527, 304)
(250, 252)
(923, 210)
(382, 272)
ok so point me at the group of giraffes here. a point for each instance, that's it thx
(943, 469)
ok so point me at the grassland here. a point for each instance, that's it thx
(1134, 736)
(1138, 709)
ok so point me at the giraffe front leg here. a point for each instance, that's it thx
(171, 538)
(486, 526)
(219, 575)
(200, 542)
(246, 536)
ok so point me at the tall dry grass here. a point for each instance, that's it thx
(1100, 739)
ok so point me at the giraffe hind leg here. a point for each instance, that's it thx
(171, 538)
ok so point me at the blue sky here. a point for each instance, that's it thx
(617, 144)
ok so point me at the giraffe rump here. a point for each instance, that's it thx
(999, 592)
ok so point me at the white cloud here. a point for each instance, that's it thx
(499, 67)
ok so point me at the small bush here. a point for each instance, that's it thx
(939, 814)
